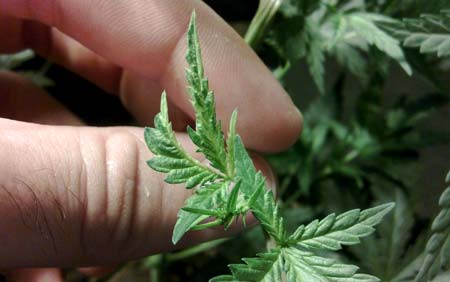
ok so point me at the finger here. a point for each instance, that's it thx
(113, 28)
(16, 96)
(22, 100)
(34, 275)
(144, 107)
(83, 196)
(139, 94)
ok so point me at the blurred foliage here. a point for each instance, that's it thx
(357, 155)
(15, 61)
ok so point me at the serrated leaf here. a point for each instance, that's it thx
(438, 243)
(208, 198)
(208, 134)
(263, 206)
(345, 229)
(445, 255)
(430, 33)
(303, 265)
(364, 25)
(170, 157)
(267, 267)
(245, 170)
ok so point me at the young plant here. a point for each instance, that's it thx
(230, 187)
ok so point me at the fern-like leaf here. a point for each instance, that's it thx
(232, 186)
(170, 157)
(334, 231)
(208, 134)
(439, 243)
(430, 33)
(365, 26)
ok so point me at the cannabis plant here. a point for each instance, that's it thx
(229, 187)
(355, 150)
(364, 137)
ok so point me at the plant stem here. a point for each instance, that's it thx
(45, 68)
(194, 250)
(264, 15)
(156, 268)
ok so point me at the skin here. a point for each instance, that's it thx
(72, 195)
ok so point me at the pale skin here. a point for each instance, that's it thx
(72, 195)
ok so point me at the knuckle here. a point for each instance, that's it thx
(111, 196)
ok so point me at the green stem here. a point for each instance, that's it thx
(45, 68)
(264, 15)
(211, 224)
(155, 270)
(194, 250)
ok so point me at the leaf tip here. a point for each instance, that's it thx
(387, 208)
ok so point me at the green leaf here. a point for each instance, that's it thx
(232, 186)
(170, 157)
(351, 59)
(334, 231)
(253, 186)
(209, 198)
(12, 61)
(315, 53)
(430, 33)
(303, 265)
(385, 255)
(267, 212)
(208, 134)
(438, 244)
(267, 267)
(364, 24)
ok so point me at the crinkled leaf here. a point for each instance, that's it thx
(208, 198)
(208, 134)
(170, 157)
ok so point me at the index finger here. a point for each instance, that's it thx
(148, 37)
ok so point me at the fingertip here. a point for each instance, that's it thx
(271, 131)
(285, 132)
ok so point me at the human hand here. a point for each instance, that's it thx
(79, 196)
